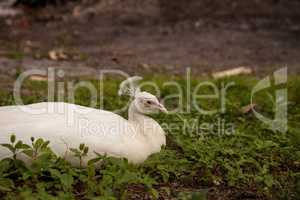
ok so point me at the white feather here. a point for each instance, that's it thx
(67, 126)
(130, 86)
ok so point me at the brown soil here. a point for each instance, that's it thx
(141, 39)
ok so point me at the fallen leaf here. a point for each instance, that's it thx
(38, 78)
(77, 11)
(144, 66)
(232, 72)
(52, 55)
(248, 108)
(58, 54)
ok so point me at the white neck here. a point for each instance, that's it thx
(148, 127)
(134, 115)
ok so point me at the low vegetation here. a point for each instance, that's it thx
(199, 162)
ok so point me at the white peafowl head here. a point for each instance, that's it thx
(144, 102)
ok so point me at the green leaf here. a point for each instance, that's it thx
(6, 185)
(268, 180)
(154, 193)
(5, 165)
(19, 144)
(25, 146)
(67, 181)
(55, 173)
(9, 146)
(75, 151)
(26, 175)
(81, 146)
(28, 152)
(45, 145)
(94, 160)
(91, 171)
(38, 143)
(86, 150)
(13, 138)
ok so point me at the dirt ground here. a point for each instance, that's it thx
(85, 39)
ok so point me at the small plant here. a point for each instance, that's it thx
(80, 153)
(15, 147)
(39, 146)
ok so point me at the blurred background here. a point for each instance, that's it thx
(146, 37)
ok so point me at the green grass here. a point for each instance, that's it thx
(197, 163)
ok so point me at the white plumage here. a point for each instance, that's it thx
(67, 126)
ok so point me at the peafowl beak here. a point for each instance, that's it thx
(162, 108)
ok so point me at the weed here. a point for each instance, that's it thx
(253, 160)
